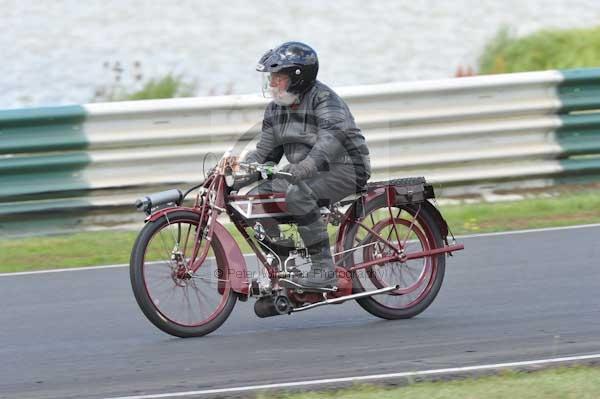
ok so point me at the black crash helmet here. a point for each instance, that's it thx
(298, 60)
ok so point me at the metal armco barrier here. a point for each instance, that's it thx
(465, 135)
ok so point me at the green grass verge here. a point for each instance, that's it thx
(564, 210)
(169, 86)
(562, 383)
(542, 50)
(114, 247)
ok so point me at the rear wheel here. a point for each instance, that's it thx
(412, 228)
(174, 299)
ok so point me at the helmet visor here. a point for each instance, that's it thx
(275, 85)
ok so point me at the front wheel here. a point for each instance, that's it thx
(412, 228)
(174, 299)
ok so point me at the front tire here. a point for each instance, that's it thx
(176, 301)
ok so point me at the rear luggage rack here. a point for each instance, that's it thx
(407, 190)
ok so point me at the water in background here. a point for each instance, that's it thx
(53, 52)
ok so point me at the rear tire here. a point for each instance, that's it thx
(415, 222)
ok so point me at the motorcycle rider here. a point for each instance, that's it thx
(312, 126)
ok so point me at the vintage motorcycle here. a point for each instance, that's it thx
(187, 271)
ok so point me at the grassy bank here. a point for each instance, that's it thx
(568, 382)
(113, 247)
(542, 50)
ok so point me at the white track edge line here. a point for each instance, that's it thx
(74, 269)
(362, 378)
(501, 233)
(540, 230)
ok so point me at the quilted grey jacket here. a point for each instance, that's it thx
(320, 126)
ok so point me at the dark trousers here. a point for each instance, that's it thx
(302, 200)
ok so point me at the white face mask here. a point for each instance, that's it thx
(279, 95)
(283, 97)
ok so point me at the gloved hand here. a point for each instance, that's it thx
(251, 156)
(243, 180)
(302, 170)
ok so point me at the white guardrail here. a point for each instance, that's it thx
(464, 135)
(455, 132)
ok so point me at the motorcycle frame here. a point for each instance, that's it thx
(213, 200)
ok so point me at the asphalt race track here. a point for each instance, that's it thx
(506, 298)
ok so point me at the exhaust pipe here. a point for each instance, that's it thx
(346, 298)
(269, 306)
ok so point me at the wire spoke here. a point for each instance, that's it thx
(165, 247)
(189, 300)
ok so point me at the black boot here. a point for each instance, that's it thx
(322, 270)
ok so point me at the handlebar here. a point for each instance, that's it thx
(176, 197)
(270, 170)
(164, 197)
(266, 170)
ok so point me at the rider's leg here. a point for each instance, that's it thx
(268, 187)
(303, 205)
(280, 247)
(334, 185)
